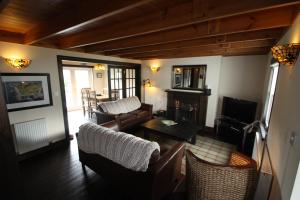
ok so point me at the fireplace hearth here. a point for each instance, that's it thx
(189, 106)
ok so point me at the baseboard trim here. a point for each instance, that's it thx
(50, 147)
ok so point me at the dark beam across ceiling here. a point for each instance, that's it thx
(83, 13)
(273, 34)
(275, 18)
(202, 52)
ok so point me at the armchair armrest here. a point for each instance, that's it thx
(103, 117)
(147, 107)
(167, 170)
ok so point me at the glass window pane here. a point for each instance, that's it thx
(112, 84)
(133, 73)
(127, 73)
(112, 73)
(133, 83)
(133, 91)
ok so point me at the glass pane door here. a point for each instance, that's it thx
(123, 82)
(130, 82)
(116, 83)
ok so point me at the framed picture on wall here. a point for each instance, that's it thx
(26, 90)
(99, 75)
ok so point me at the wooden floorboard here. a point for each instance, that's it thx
(58, 175)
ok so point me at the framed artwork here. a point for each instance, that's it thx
(99, 75)
(26, 90)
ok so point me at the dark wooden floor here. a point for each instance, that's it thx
(58, 175)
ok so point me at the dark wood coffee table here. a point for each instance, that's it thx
(182, 131)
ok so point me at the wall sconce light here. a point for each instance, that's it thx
(99, 67)
(177, 70)
(18, 63)
(154, 68)
(147, 83)
(286, 54)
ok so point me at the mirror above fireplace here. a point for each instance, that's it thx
(189, 77)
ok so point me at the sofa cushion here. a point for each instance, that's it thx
(121, 106)
(130, 104)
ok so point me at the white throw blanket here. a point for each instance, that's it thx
(127, 150)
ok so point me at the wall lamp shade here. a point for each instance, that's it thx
(286, 54)
(18, 63)
(147, 83)
(154, 68)
(99, 67)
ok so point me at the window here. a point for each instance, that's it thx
(270, 94)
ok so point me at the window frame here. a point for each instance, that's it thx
(269, 104)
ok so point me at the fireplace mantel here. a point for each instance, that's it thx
(187, 105)
(188, 91)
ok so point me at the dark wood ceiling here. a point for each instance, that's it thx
(146, 29)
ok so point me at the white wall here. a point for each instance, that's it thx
(162, 80)
(285, 120)
(44, 60)
(242, 77)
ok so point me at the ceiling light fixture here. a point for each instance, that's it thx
(99, 67)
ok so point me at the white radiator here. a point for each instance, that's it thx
(30, 135)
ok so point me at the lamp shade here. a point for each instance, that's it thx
(286, 54)
(18, 63)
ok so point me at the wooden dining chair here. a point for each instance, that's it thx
(85, 99)
(92, 102)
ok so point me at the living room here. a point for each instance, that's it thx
(239, 68)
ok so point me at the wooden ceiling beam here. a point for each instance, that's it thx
(201, 52)
(212, 47)
(7, 36)
(235, 37)
(275, 18)
(189, 13)
(82, 14)
(3, 4)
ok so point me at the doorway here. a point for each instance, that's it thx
(116, 80)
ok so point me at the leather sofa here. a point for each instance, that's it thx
(127, 112)
(161, 178)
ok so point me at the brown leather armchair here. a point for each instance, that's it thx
(161, 178)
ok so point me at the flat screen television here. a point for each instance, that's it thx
(241, 110)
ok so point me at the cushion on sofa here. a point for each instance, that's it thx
(121, 106)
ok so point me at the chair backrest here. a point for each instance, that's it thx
(92, 98)
(219, 182)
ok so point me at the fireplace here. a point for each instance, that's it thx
(188, 106)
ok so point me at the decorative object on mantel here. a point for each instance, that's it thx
(154, 67)
(18, 63)
(286, 54)
(99, 67)
(26, 90)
